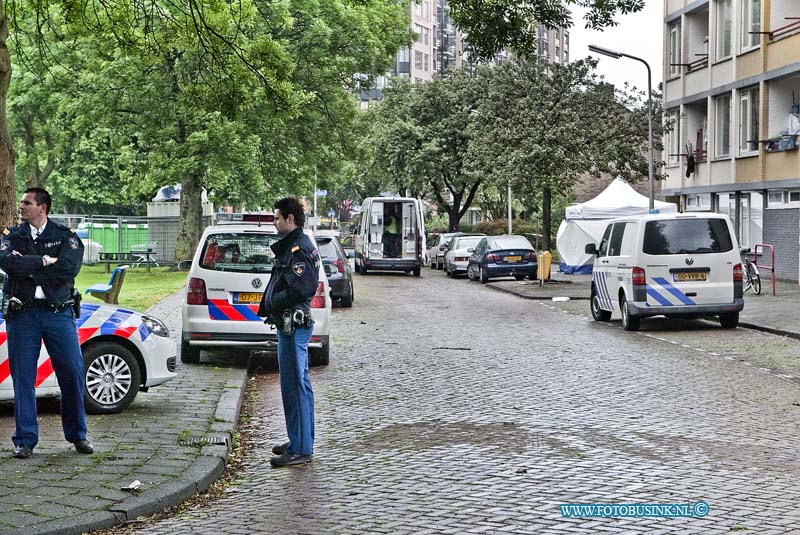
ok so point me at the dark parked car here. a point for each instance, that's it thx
(337, 267)
(502, 256)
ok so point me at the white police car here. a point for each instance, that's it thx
(123, 352)
(675, 265)
(229, 273)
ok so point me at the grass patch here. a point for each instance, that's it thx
(140, 289)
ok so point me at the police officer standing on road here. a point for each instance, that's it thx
(286, 305)
(42, 259)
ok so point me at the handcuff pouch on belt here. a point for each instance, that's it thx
(295, 318)
(10, 305)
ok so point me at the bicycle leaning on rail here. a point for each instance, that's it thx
(752, 278)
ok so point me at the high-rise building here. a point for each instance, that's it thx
(440, 45)
(732, 95)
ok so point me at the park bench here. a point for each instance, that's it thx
(109, 293)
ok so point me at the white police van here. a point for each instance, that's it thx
(675, 265)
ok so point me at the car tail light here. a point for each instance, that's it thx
(738, 275)
(530, 257)
(492, 258)
(318, 301)
(196, 292)
(339, 265)
(637, 277)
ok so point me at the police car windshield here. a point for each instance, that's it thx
(687, 236)
(242, 253)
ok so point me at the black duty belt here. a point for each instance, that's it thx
(44, 303)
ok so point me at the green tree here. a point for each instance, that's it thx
(544, 125)
(493, 25)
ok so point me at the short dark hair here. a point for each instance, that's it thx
(42, 197)
(291, 205)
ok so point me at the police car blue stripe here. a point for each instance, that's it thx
(114, 322)
(682, 297)
(87, 311)
(247, 313)
(144, 331)
(606, 294)
(658, 297)
(215, 312)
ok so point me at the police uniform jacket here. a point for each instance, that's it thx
(294, 277)
(26, 270)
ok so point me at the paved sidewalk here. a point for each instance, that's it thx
(159, 440)
(778, 314)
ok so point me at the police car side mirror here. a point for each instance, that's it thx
(590, 248)
(471, 250)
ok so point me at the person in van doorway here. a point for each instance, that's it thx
(42, 259)
(286, 305)
(391, 235)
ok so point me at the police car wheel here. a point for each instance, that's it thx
(598, 314)
(729, 321)
(320, 356)
(112, 378)
(189, 354)
(482, 275)
(629, 323)
(347, 300)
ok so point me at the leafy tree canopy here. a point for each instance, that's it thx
(492, 25)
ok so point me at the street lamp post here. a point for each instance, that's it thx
(617, 55)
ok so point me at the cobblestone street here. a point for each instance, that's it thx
(452, 408)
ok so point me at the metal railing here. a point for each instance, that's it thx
(771, 267)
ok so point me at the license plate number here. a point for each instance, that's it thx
(690, 276)
(248, 298)
(513, 258)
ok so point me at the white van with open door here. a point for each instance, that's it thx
(390, 235)
(675, 265)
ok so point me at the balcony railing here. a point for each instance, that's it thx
(700, 63)
(787, 29)
(779, 143)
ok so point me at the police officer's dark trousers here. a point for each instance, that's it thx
(26, 329)
(296, 392)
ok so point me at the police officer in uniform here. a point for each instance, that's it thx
(41, 259)
(286, 305)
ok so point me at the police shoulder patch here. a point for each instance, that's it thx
(3, 246)
(73, 242)
(6, 231)
(299, 268)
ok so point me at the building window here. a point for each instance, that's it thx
(418, 7)
(674, 135)
(723, 126)
(425, 58)
(701, 202)
(404, 55)
(544, 41)
(751, 23)
(783, 199)
(748, 120)
(724, 29)
(675, 49)
(426, 9)
(418, 60)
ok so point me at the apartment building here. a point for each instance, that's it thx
(732, 95)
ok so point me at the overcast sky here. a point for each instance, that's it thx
(639, 34)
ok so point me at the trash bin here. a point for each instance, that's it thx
(543, 269)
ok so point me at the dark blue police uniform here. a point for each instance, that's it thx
(50, 320)
(292, 284)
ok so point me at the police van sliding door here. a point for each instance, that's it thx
(600, 273)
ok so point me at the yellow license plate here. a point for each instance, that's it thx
(690, 276)
(513, 258)
(247, 298)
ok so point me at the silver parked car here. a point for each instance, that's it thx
(456, 258)
(436, 252)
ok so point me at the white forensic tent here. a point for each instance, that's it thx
(585, 223)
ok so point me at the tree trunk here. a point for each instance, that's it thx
(547, 200)
(454, 213)
(8, 185)
(190, 225)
